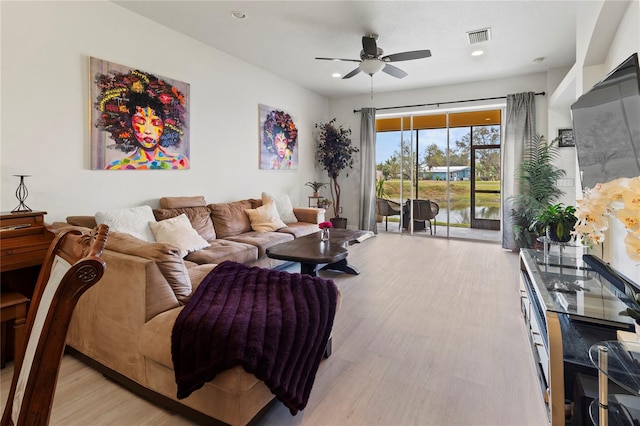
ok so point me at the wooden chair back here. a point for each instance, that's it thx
(72, 265)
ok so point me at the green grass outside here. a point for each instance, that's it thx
(436, 191)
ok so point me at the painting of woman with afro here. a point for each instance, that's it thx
(140, 120)
(279, 138)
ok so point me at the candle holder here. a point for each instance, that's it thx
(22, 193)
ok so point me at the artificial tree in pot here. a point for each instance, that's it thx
(537, 177)
(335, 153)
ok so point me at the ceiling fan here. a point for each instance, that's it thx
(371, 60)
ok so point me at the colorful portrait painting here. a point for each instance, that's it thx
(278, 140)
(140, 121)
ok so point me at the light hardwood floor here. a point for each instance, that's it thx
(430, 333)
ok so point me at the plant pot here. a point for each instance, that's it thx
(315, 194)
(637, 330)
(339, 222)
(552, 233)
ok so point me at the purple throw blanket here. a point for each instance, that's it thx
(273, 323)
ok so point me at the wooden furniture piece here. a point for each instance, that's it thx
(71, 266)
(310, 251)
(567, 307)
(24, 240)
(13, 310)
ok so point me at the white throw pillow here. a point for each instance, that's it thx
(283, 205)
(178, 232)
(265, 218)
(134, 221)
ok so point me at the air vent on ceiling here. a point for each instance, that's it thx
(478, 36)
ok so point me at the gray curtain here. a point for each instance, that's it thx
(368, 169)
(520, 126)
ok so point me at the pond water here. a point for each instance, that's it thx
(463, 216)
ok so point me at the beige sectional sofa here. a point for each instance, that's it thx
(123, 324)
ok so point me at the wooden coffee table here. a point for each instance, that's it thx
(310, 251)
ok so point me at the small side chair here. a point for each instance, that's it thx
(387, 208)
(72, 265)
(426, 210)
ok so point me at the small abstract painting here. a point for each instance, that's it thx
(139, 121)
(278, 140)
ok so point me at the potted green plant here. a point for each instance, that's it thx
(316, 186)
(633, 311)
(381, 190)
(324, 203)
(556, 221)
(335, 153)
(536, 177)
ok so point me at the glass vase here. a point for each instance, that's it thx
(324, 235)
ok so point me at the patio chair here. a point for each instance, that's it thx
(387, 208)
(426, 211)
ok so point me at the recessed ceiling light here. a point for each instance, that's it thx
(336, 75)
(238, 15)
(477, 53)
(538, 60)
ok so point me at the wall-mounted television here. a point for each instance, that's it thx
(606, 126)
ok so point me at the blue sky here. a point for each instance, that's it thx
(388, 142)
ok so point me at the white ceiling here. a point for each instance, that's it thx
(284, 37)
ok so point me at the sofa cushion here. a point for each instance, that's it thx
(134, 221)
(84, 221)
(265, 218)
(300, 229)
(229, 219)
(155, 344)
(179, 202)
(283, 205)
(166, 256)
(221, 250)
(200, 218)
(261, 240)
(178, 231)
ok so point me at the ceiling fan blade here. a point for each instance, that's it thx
(407, 56)
(394, 71)
(339, 59)
(352, 73)
(369, 46)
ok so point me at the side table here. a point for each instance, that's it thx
(312, 203)
(620, 362)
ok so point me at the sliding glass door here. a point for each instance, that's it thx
(451, 159)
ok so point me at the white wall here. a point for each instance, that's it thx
(45, 112)
(342, 108)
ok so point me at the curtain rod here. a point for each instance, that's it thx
(444, 103)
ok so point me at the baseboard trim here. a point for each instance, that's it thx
(156, 398)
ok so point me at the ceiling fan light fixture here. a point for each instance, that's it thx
(371, 66)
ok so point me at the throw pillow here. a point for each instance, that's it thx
(265, 218)
(283, 205)
(178, 231)
(134, 221)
